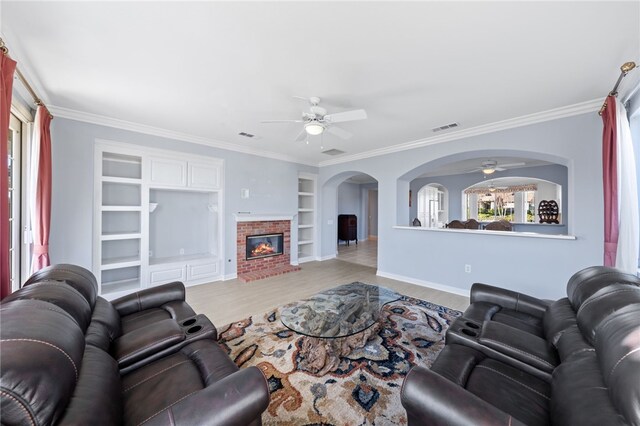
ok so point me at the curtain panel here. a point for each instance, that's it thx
(628, 244)
(7, 68)
(40, 205)
(610, 181)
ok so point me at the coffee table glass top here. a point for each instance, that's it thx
(339, 312)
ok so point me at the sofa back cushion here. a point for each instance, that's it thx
(64, 296)
(604, 303)
(583, 284)
(41, 351)
(76, 276)
(618, 347)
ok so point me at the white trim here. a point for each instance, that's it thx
(230, 277)
(486, 232)
(261, 217)
(165, 133)
(328, 257)
(525, 120)
(20, 110)
(422, 283)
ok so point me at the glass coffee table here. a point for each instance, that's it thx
(335, 322)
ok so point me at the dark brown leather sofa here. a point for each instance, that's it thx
(514, 359)
(71, 357)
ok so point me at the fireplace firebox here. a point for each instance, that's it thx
(264, 245)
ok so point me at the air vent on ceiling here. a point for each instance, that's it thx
(333, 152)
(445, 127)
(246, 135)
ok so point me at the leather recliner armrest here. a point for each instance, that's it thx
(508, 299)
(519, 345)
(145, 341)
(433, 400)
(153, 297)
(238, 399)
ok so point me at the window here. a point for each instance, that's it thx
(433, 206)
(14, 150)
(513, 199)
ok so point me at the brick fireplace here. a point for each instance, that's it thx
(252, 269)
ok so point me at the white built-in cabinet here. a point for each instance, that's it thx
(158, 218)
(307, 225)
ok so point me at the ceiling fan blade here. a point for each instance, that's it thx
(356, 114)
(281, 121)
(301, 136)
(341, 133)
(506, 166)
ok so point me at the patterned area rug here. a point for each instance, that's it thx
(365, 387)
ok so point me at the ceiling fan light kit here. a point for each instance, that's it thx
(314, 128)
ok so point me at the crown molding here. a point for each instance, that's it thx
(525, 120)
(101, 120)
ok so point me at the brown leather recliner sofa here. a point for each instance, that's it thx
(69, 356)
(514, 359)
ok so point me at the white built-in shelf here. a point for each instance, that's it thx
(305, 210)
(301, 243)
(120, 262)
(129, 181)
(121, 208)
(120, 236)
(118, 286)
(305, 226)
(306, 194)
(122, 160)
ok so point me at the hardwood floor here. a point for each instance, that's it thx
(364, 253)
(227, 301)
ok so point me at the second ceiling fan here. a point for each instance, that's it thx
(316, 120)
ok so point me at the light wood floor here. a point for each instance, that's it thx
(227, 301)
(364, 253)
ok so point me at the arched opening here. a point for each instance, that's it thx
(433, 206)
(355, 215)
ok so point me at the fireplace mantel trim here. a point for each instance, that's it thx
(251, 217)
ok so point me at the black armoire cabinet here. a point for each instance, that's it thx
(347, 228)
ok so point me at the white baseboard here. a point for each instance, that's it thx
(422, 283)
(230, 277)
(323, 258)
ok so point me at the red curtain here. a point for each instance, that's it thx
(42, 220)
(7, 68)
(610, 182)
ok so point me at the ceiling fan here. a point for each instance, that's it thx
(316, 121)
(490, 166)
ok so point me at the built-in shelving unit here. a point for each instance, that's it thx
(158, 218)
(307, 226)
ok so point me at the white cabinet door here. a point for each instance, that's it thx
(165, 171)
(204, 175)
(200, 271)
(166, 274)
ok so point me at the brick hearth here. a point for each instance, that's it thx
(257, 269)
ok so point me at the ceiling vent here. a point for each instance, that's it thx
(333, 152)
(445, 127)
(246, 135)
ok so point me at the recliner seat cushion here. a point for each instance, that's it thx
(150, 390)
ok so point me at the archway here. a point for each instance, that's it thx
(350, 202)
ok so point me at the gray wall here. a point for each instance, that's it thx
(537, 266)
(272, 184)
(633, 109)
(350, 202)
(456, 184)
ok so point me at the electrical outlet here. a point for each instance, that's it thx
(181, 251)
(467, 269)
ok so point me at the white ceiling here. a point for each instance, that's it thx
(465, 166)
(213, 69)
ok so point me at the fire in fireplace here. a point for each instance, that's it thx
(264, 245)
